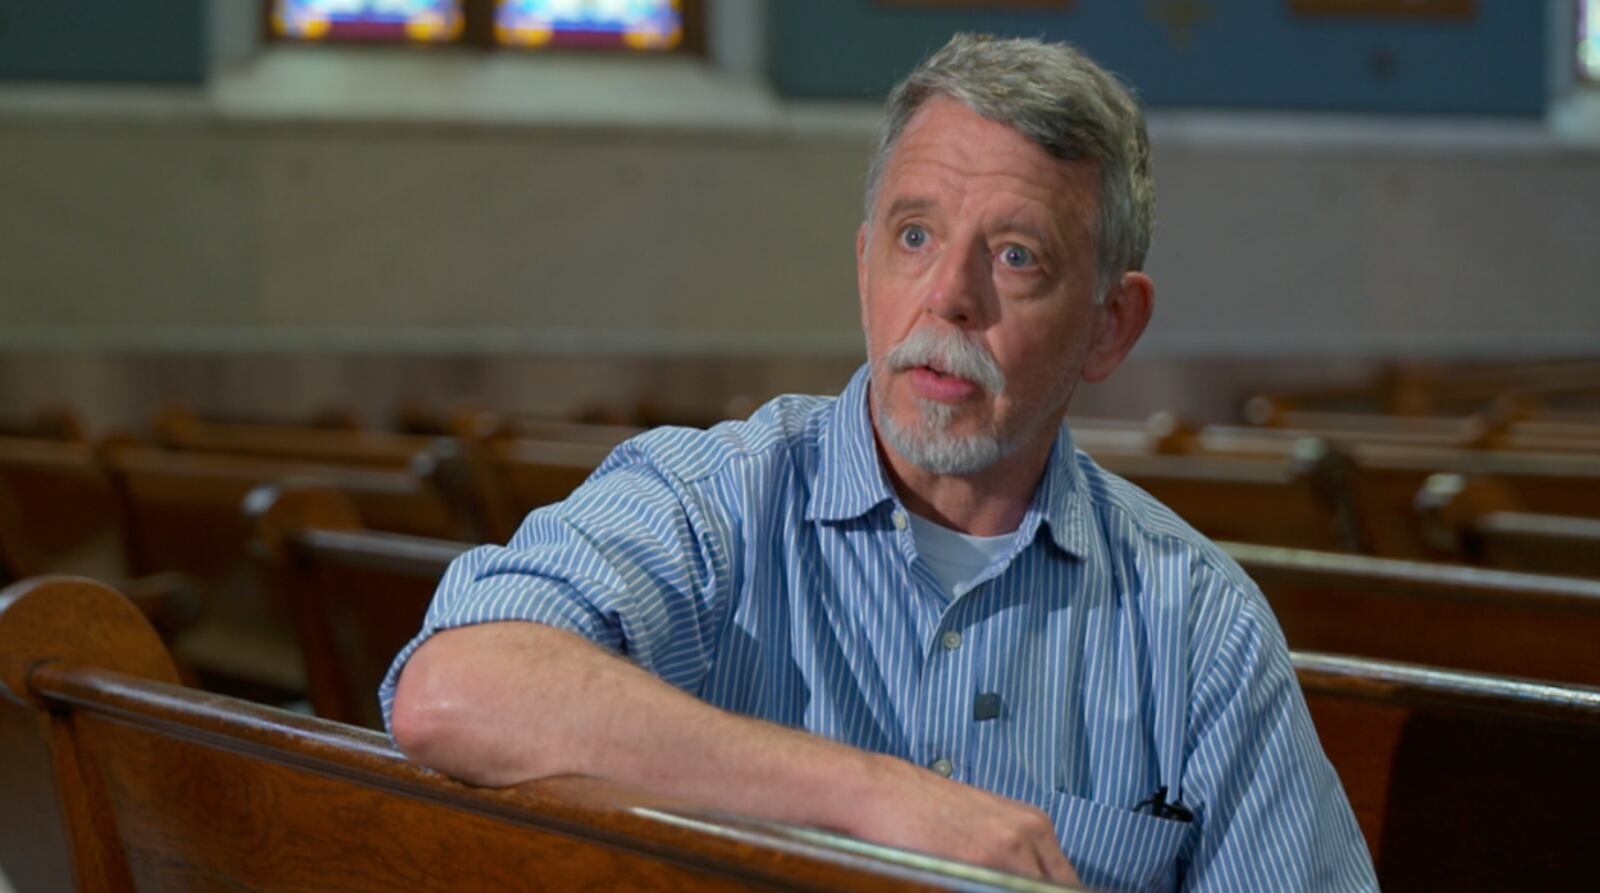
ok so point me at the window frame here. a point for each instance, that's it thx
(1586, 15)
(478, 33)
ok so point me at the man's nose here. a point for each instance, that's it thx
(959, 287)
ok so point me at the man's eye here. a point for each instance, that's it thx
(913, 236)
(1016, 257)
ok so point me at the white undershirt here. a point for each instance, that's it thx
(955, 557)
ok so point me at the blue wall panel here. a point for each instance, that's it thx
(1246, 54)
(102, 40)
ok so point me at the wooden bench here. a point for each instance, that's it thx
(46, 423)
(471, 422)
(516, 476)
(16, 556)
(71, 510)
(1516, 624)
(312, 445)
(1478, 521)
(1461, 781)
(186, 512)
(1387, 481)
(1300, 500)
(58, 514)
(1421, 389)
(119, 779)
(355, 596)
(1385, 726)
(1462, 432)
(1504, 427)
(1545, 544)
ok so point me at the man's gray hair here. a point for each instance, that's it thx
(1059, 98)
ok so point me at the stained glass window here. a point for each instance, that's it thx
(1589, 40)
(420, 21)
(621, 24)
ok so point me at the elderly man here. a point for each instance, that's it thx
(914, 613)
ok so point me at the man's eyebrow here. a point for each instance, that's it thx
(906, 205)
(1041, 234)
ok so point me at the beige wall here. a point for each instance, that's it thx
(190, 245)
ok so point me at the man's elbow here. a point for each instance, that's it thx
(441, 719)
(420, 719)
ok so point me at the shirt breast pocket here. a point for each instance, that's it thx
(1115, 848)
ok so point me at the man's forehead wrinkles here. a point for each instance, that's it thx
(906, 204)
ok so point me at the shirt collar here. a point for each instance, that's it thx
(851, 480)
(850, 476)
(1061, 501)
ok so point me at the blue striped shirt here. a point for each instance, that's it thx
(767, 567)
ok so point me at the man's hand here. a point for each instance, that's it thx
(918, 810)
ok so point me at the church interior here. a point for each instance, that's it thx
(301, 298)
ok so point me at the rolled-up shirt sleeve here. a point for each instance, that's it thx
(634, 560)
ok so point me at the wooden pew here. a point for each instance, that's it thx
(176, 416)
(1503, 427)
(178, 430)
(1532, 434)
(1380, 722)
(1461, 781)
(1514, 624)
(183, 512)
(16, 557)
(60, 488)
(355, 596)
(58, 514)
(120, 779)
(1388, 479)
(1417, 389)
(48, 423)
(1478, 521)
(1301, 501)
(1546, 544)
(471, 422)
(1459, 432)
(515, 477)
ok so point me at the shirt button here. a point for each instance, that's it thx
(943, 767)
(951, 640)
(960, 589)
(899, 520)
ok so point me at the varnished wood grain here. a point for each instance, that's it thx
(163, 787)
(1446, 615)
(1460, 781)
(1297, 499)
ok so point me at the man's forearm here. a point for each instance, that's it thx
(502, 703)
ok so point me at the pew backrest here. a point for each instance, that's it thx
(1387, 481)
(1297, 500)
(518, 476)
(186, 512)
(1460, 781)
(1479, 521)
(60, 488)
(355, 596)
(322, 446)
(1546, 544)
(130, 781)
(1476, 619)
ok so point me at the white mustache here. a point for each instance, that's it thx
(949, 351)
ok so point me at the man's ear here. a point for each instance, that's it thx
(861, 271)
(1119, 322)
